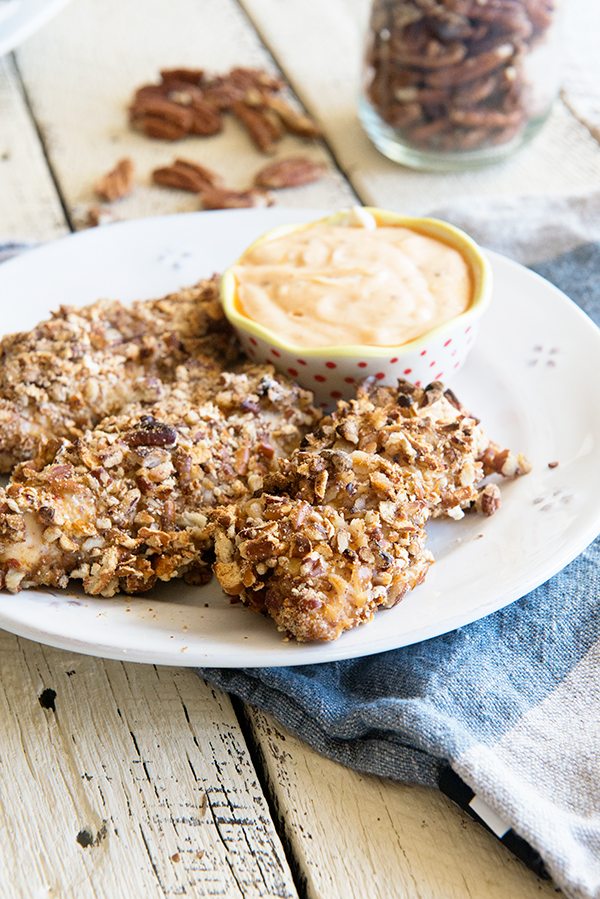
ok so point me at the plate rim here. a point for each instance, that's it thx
(27, 18)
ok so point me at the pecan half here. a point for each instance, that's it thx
(160, 129)
(436, 55)
(117, 183)
(295, 122)
(487, 118)
(150, 432)
(291, 172)
(258, 125)
(255, 78)
(206, 120)
(191, 76)
(471, 68)
(186, 175)
(219, 198)
(221, 94)
(161, 118)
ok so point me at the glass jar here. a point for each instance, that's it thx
(455, 83)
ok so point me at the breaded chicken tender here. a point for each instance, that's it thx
(338, 530)
(337, 536)
(425, 429)
(71, 371)
(127, 503)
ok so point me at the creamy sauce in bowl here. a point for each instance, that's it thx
(339, 285)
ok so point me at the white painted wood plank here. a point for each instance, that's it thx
(581, 91)
(323, 66)
(146, 765)
(29, 206)
(81, 71)
(357, 836)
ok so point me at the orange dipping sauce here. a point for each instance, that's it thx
(339, 285)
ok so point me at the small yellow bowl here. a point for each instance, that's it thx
(333, 372)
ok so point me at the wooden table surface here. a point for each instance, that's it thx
(138, 781)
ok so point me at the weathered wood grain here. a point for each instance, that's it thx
(355, 836)
(29, 205)
(126, 780)
(582, 63)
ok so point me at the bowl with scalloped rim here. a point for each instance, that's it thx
(333, 372)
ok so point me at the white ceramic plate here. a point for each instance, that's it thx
(21, 18)
(531, 376)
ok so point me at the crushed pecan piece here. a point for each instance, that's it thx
(117, 183)
(291, 172)
(489, 499)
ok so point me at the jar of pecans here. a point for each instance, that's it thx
(455, 83)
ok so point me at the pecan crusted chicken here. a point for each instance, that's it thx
(344, 537)
(79, 366)
(425, 430)
(127, 503)
(339, 529)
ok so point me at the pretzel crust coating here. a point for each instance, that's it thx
(127, 504)
(81, 365)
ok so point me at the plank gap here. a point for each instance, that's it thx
(41, 137)
(279, 64)
(593, 129)
(255, 751)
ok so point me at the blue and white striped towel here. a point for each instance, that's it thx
(504, 714)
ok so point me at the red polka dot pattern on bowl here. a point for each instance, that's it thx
(332, 380)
